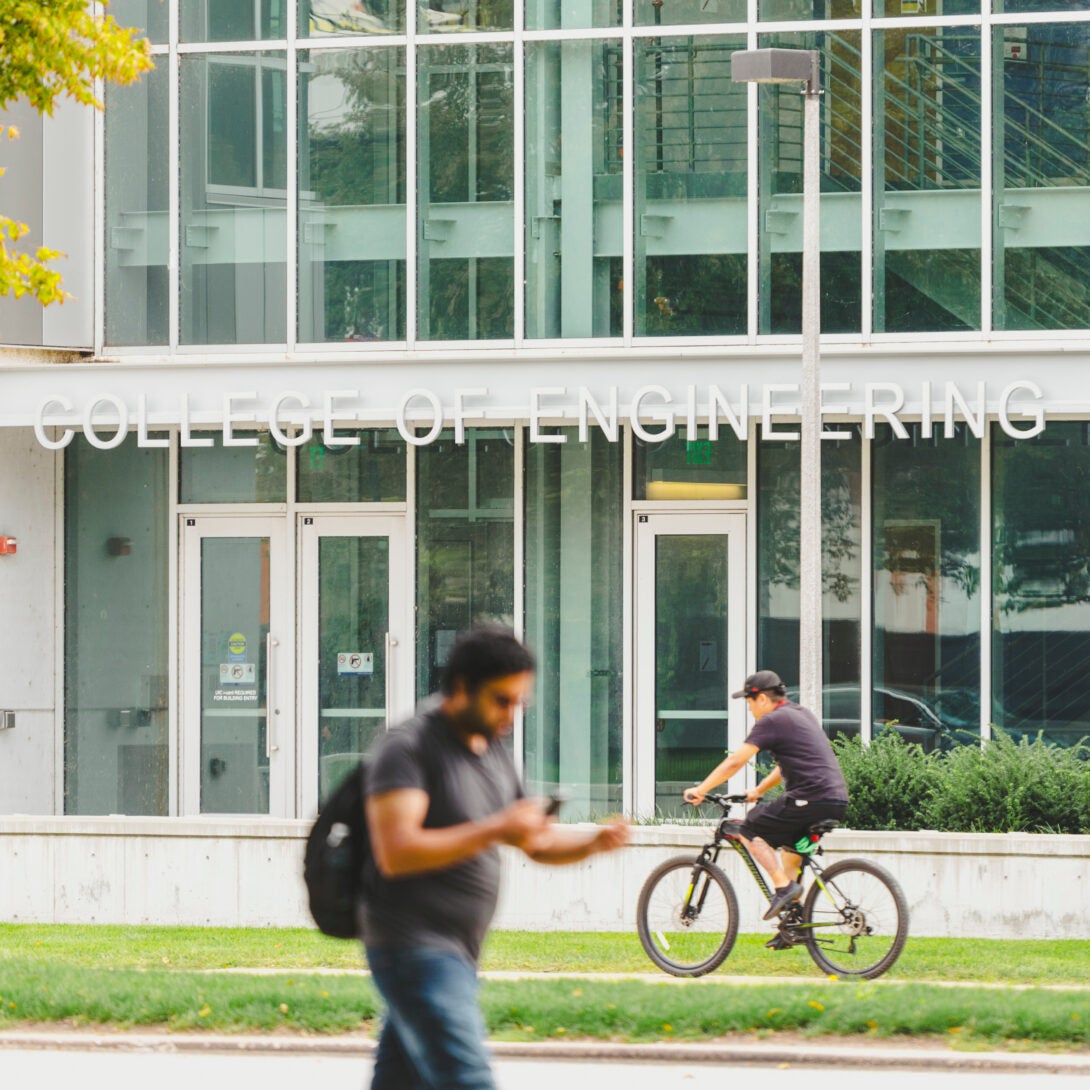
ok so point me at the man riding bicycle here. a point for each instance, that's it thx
(806, 765)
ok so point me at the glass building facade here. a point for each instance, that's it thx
(414, 316)
(374, 173)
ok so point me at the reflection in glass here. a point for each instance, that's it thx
(352, 195)
(681, 469)
(147, 16)
(688, 12)
(574, 577)
(234, 20)
(465, 275)
(778, 571)
(562, 15)
(927, 585)
(219, 474)
(233, 167)
(691, 686)
(117, 511)
(465, 542)
(573, 189)
(690, 214)
(453, 16)
(927, 192)
(1041, 566)
(780, 142)
(234, 713)
(1042, 147)
(899, 8)
(325, 18)
(372, 471)
(354, 617)
(807, 9)
(137, 204)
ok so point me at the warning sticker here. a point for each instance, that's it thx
(238, 673)
(360, 663)
(236, 647)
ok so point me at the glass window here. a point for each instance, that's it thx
(137, 211)
(219, 474)
(1041, 571)
(454, 16)
(778, 571)
(927, 190)
(147, 16)
(465, 542)
(115, 577)
(688, 12)
(807, 9)
(233, 230)
(234, 20)
(466, 234)
(561, 15)
(1000, 6)
(780, 143)
(323, 18)
(352, 195)
(574, 240)
(927, 584)
(574, 582)
(899, 8)
(372, 471)
(682, 469)
(1042, 213)
(690, 211)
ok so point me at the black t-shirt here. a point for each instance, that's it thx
(796, 741)
(449, 909)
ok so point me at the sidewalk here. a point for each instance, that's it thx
(784, 1050)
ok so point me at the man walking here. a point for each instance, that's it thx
(806, 765)
(442, 794)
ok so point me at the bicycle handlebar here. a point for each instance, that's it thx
(725, 801)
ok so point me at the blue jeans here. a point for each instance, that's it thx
(434, 1034)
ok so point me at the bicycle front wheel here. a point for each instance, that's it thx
(857, 925)
(687, 916)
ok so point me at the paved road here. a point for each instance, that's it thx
(115, 1070)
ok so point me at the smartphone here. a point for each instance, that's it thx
(552, 808)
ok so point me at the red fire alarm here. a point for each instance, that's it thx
(8, 546)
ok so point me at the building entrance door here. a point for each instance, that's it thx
(690, 624)
(237, 740)
(356, 641)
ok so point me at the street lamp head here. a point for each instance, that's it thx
(776, 66)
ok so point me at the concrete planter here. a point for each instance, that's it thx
(247, 872)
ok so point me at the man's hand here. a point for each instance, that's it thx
(693, 795)
(614, 834)
(522, 822)
(752, 795)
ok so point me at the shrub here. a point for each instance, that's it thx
(1004, 786)
(889, 782)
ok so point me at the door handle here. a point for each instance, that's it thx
(271, 643)
(391, 643)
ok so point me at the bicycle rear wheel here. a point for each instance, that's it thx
(687, 916)
(857, 925)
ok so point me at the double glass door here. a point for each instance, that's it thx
(294, 655)
(690, 651)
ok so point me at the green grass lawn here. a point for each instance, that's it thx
(160, 977)
(146, 947)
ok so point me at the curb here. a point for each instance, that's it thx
(795, 1055)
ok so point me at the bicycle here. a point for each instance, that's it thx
(853, 919)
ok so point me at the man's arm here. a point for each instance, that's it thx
(770, 781)
(560, 844)
(722, 771)
(402, 846)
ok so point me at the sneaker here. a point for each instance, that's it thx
(779, 941)
(782, 898)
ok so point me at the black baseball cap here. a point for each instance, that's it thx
(760, 682)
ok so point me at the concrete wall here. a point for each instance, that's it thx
(248, 873)
(28, 623)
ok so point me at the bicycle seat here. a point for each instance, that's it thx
(820, 828)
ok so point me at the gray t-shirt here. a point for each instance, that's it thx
(796, 741)
(448, 909)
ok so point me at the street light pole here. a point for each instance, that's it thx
(802, 66)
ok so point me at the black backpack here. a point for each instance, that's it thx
(338, 859)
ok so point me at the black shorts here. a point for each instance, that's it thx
(781, 822)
